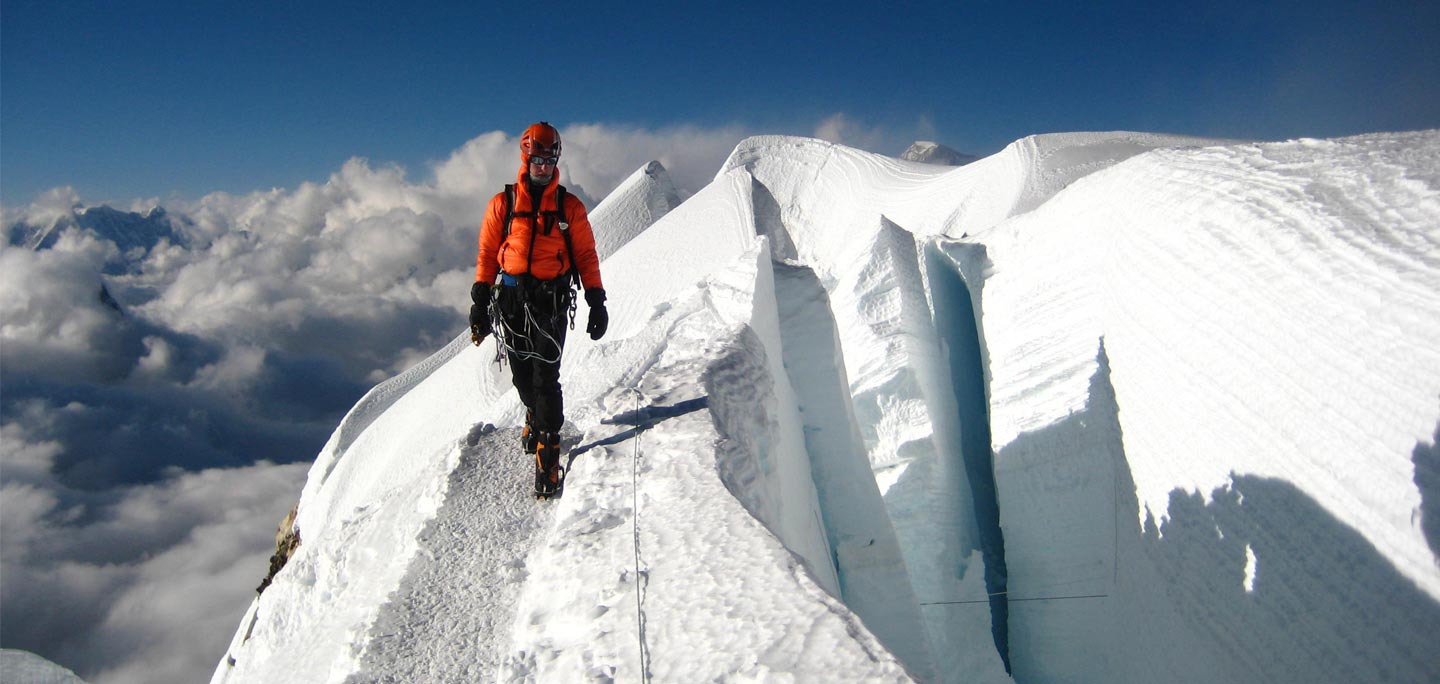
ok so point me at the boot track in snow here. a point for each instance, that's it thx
(449, 620)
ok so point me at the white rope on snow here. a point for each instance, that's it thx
(640, 590)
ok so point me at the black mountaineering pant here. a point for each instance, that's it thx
(536, 316)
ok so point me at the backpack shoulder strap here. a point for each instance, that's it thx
(509, 211)
(574, 272)
(547, 219)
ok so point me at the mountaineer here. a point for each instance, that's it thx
(536, 247)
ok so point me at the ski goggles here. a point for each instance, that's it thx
(544, 161)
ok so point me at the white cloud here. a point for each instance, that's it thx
(24, 461)
(882, 139)
(138, 584)
(842, 129)
(51, 318)
(466, 181)
(49, 207)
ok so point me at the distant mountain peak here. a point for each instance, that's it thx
(637, 203)
(129, 230)
(931, 152)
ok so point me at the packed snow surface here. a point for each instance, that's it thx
(1102, 407)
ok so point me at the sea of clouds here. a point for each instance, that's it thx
(151, 437)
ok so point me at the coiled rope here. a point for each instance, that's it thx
(507, 336)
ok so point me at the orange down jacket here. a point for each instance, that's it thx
(549, 258)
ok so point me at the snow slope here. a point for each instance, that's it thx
(23, 667)
(1101, 407)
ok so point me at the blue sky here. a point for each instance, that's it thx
(177, 99)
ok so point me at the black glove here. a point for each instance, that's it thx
(599, 317)
(479, 312)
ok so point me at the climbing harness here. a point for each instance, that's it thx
(529, 335)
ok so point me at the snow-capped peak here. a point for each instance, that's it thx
(641, 200)
(931, 152)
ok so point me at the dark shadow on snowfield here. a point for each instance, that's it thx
(1323, 605)
(1067, 502)
(649, 416)
(641, 419)
(1259, 583)
(1426, 458)
(769, 222)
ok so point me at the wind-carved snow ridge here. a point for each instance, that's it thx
(644, 198)
(377, 401)
(1101, 407)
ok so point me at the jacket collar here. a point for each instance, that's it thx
(522, 187)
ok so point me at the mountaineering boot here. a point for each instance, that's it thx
(527, 434)
(549, 474)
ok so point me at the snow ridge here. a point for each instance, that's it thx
(1203, 375)
(644, 198)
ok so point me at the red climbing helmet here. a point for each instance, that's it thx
(541, 140)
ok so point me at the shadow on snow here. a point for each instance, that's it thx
(1259, 583)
